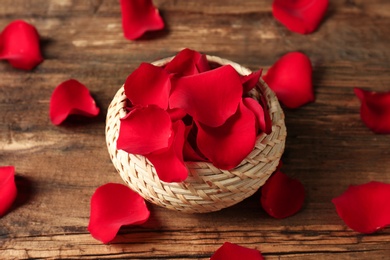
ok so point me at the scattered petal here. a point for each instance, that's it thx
(138, 17)
(230, 251)
(145, 130)
(261, 122)
(291, 79)
(282, 196)
(112, 206)
(365, 208)
(71, 98)
(169, 164)
(148, 85)
(227, 145)
(19, 44)
(210, 97)
(375, 110)
(7, 188)
(188, 62)
(251, 80)
(300, 16)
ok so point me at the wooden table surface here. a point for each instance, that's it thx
(59, 167)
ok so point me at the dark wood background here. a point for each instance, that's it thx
(58, 168)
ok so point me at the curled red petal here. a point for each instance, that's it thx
(365, 208)
(138, 17)
(71, 98)
(169, 164)
(192, 155)
(236, 252)
(114, 205)
(262, 122)
(282, 196)
(148, 85)
(188, 62)
(19, 45)
(210, 97)
(251, 80)
(176, 114)
(8, 189)
(144, 130)
(375, 110)
(267, 116)
(191, 152)
(300, 16)
(202, 64)
(291, 79)
(227, 145)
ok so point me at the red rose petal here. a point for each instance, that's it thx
(375, 110)
(191, 152)
(71, 98)
(148, 85)
(365, 208)
(190, 155)
(291, 79)
(7, 188)
(230, 251)
(300, 16)
(19, 44)
(138, 17)
(251, 80)
(203, 64)
(267, 116)
(144, 130)
(282, 196)
(188, 62)
(227, 145)
(112, 206)
(169, 164)
(261, 122)
(210, 97)
(176, 114)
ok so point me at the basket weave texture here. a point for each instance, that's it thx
(207, 188)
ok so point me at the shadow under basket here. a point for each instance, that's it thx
(207, 188)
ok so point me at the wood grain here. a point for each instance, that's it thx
(58, 168)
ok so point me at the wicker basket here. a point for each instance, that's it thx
(207, 188)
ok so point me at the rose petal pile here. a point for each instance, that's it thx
(19, 45)
(138, 17)
(8, 189)
(71, 98)
(114, 205)
(300, 16)
(375, 110)
(230, 251)
(188, 110)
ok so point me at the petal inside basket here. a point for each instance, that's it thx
(169, 164)
(138, 131)
(227, 145)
